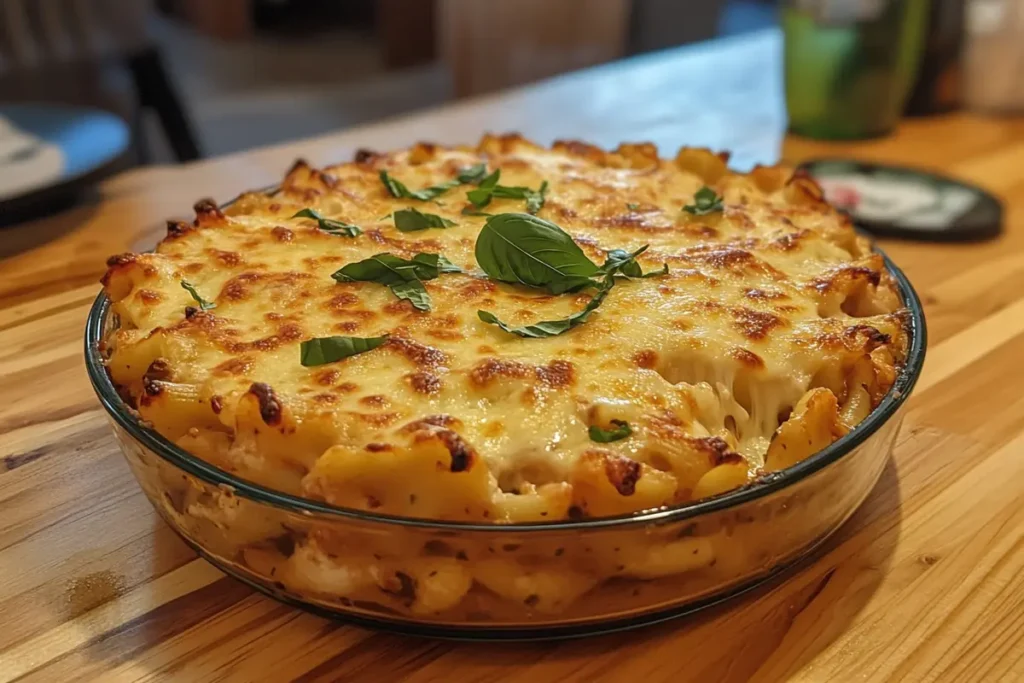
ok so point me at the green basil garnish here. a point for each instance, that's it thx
(621, 431)
(403, 276)
(621, 261)
(489, 189)
(204, 305)
(414, 292)
(323, 350)
(705, 201)
(522, 249)
(329, 224)
(411, 220)
(472, 174)
(535, 200)
(631, 206)
(551, 328)
(398, 189)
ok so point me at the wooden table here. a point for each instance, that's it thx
(926, 582)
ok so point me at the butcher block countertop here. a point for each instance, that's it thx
(925, 582)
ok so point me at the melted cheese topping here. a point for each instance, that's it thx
(772, 309)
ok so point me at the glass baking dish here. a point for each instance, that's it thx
(515, 581)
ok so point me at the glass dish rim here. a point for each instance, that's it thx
(771, 483)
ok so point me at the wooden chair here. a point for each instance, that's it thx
(55, 50)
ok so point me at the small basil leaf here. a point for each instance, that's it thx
(388, 269)
(535, 200)
(631, 206)
(471, 211)
(398, 189)
(411, 220)
(705, 201)
(621, 431)
(413, 291)
(481, 196)
(321, 350)
(489, 189)
(621, 261)
(404, 277)
(329, 224)
(511, 192)
(522, 249)
(203, 303)
(551, 328)
(472, 174)
(435, 262)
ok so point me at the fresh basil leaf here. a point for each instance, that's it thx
(535, 200)
(414, 292)
(388, 269)
(329, 224)
(705, 201)
(204, 305)
(321, 350)
(621, 261)
(411, 220)
(631, 206)
(489, 189)
(551, 328)
(481, 196)
(404, 277)
(436, 262)
(472, 174)
(398, 189)
(621, 431)
(522, 249)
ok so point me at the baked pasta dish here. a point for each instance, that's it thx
(508, 333)
(502, 333)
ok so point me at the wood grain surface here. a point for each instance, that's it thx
(924, 583)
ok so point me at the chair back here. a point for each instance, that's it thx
(36, 34)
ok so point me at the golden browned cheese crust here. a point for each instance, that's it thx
(775, 331)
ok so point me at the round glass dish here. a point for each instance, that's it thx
(517, 581)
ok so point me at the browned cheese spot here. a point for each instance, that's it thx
(418, 353)
(159, 369)
(375, 401)
(763, 294)
(557, 373)
(755, 325)
(647, 358)
(447, 421)
(148, 296)
(282, 234)
(622, 472)
(326, 377)
(226, 258)
(365, 156)
(270, 406)
(234, 366)
(424, 382)
(176, 229)
(462, 453)
(747, 358)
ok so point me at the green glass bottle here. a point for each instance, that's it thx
(850, 64)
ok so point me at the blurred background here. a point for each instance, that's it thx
(88, 87)
(212, 77)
